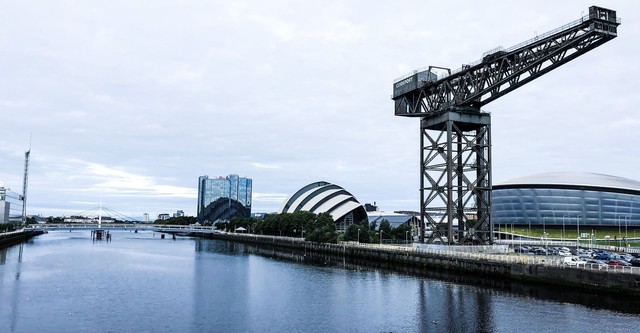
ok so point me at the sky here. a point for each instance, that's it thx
(127, 103)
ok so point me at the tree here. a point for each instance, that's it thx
(385, 229)
(31, 220)
(401, 232)
(373, 226)
(244, 222)
(357, 232)
(180, 220)
(324, 230)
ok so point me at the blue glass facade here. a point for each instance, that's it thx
(223, 198)
(568, 205)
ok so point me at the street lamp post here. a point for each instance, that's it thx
(578, 224)
(358, 235)
(380, 235)
(544, 227)
(512, 232)
(626, 222)
(619, 232)
(563, 216)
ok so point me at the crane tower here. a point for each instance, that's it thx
(455, 135)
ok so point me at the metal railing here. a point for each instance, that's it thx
(503, 258)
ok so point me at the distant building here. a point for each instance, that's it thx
(179, 213)
(10, 206)
(259, 216)
(395, 219)
(86, 219)
(163, 217)
(76, 219)
(223, 198)
(370, 208)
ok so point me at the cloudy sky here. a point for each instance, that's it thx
(128, 102)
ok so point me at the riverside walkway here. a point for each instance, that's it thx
(475, 253)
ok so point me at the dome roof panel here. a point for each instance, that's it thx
(574, 179)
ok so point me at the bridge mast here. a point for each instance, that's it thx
(455, 136)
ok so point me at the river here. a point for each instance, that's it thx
(66, 282)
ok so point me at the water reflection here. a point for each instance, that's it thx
(144, 283)
(591, 299)
(13, 297)
(213, 278)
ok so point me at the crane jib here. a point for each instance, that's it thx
(503, 70)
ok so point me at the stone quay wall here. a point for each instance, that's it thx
(521, 268)
(16, 237)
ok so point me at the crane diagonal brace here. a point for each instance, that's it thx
(503, 71)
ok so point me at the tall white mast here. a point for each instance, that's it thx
(25, 183)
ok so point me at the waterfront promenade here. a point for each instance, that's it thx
(536, 269)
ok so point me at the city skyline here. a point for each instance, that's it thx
(129, 103)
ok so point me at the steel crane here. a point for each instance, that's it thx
(455, 141)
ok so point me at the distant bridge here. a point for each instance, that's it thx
(169, 229)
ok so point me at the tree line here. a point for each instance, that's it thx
(313, 227)
(317, 228)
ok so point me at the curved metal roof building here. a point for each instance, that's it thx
(573, 180)
(568, 198)
(324, 197)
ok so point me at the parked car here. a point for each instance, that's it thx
(573, 261)
(618, 263)
(603, 256)
(625, 256)
(539, 251)
(564, 253)
(521, 249)
(597, 263)
(585, 252)
(635, 262)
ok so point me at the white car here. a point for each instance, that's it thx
(572, 261)
(564, 253)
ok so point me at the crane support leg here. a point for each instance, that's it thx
(455, 189)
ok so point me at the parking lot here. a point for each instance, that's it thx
(578, 256)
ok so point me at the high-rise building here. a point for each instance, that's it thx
(222, 198)
(10, 206)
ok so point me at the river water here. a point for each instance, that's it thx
(138, 282)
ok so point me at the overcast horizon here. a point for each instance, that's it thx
(128, 103)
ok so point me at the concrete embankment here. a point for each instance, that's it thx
(496, 266)
(15, 237)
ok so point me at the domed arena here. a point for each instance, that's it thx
(324, 197)
(567, 198)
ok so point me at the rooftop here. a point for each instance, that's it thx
(573, 179)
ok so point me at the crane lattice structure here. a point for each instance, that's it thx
(455, 141)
